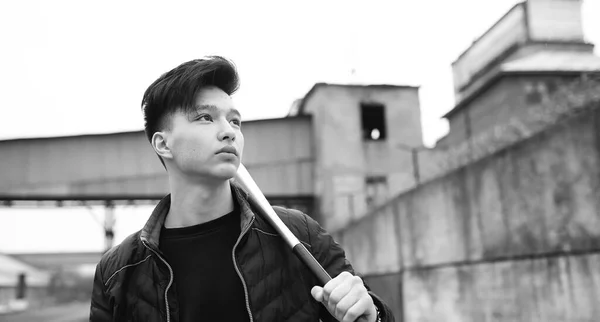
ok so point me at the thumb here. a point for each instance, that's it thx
(317, 293)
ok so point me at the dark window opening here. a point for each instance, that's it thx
(533, 95)
(551, 86)
(21, 286)
(373, 121)
(377, 190)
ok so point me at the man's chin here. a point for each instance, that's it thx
(223, 172)
(226, 172)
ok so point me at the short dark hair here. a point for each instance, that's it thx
(175, 90)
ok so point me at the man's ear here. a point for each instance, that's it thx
(161, 146)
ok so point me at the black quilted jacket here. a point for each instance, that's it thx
(133, 282)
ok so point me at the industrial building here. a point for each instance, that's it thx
(345, 155)
(332, 157)
(533, 50)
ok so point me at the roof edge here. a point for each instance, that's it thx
(316, 86)
(487, 31)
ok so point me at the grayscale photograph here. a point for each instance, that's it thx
(312, 161)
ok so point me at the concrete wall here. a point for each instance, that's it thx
(568, 99)
(482, 242)
(388, 287)
(458, 130)
(539, 196)
(561, 288)
(345, 160)
(504, 100)
(552, 288)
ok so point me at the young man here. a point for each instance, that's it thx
(204, 254)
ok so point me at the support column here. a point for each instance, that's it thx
(109, 224)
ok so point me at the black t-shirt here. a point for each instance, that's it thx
(207, 284)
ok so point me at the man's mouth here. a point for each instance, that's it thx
(228, 149)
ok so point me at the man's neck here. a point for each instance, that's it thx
(196, 203)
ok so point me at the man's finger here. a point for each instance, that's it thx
(358, 311)
(339, 293)
(331, 285)
(346, 302)
(317, 293)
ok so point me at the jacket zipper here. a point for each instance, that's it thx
(238, 270)
(170, 280)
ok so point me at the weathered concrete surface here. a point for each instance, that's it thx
(389, 289)
(512, 236)
(375, 247)
(502, 116)
(562, 288)
(505, 99)
(539, 196)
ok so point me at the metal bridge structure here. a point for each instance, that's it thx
(119, 169)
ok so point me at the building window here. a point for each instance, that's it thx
(377, 190)
(551, 86)
(533, 95)
(373, 121)
(537, 92)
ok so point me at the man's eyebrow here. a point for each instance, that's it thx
(214, 109)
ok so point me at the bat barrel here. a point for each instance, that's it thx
(259, 201)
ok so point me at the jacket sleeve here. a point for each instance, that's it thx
(100, 310)
(333, 259)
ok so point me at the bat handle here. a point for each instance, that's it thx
(307, 258)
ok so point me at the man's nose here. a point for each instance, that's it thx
(226, 132)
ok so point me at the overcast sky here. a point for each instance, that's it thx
(75, 67)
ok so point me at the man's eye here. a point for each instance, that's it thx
(236, 122)
(204, 117)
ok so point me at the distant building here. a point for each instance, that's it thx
(358, 133)
(22, 286)
(517, 64)
(333, 157)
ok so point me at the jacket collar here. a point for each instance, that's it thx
(151, 232)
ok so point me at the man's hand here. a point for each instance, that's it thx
(346, 298)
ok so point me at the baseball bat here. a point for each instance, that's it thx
(258, 200)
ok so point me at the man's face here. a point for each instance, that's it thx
(208, 143)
